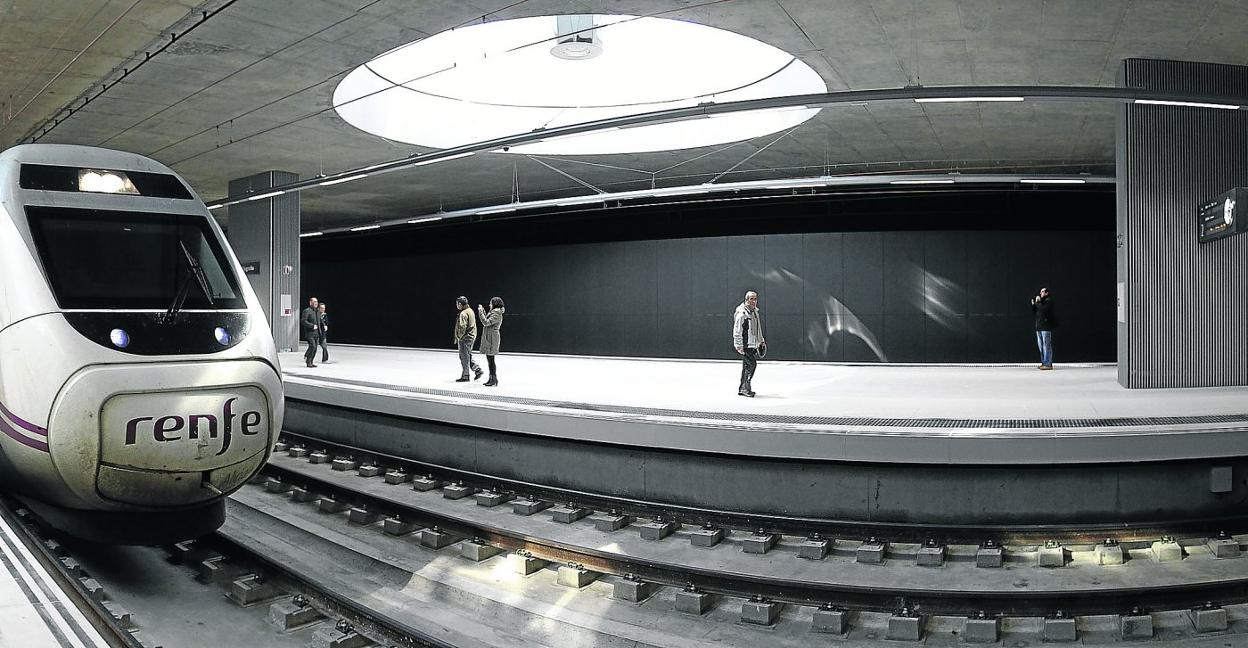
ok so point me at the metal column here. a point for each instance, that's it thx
(265, 235)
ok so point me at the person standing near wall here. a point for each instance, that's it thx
(747, 338)
(491, 335)
(1046, 321)
(465, 337)
(310, 320)
(324, 332)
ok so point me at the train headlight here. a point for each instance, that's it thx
(222, 335)
(105, 182)
(119, 338)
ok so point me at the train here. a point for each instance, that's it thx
(139, 380)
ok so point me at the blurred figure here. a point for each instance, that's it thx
(465, 337)
(491, 335)
(747, 338)
(1046, 321)
(324, 333)
(310, 320)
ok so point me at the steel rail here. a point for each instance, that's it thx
(810, 593)
(1131, 535)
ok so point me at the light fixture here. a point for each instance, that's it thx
(342, 180)
(426, 219)
(119, 338)
(966, 99)
(96, 181)
(222, 335)
(365, 228)
(487, 81)
(920, 182)
(443, 159)
(1053, 181)
(265, 195)
(576, 40)
(1186, 104)
(496, 210)
(219, 206)
(307, 234)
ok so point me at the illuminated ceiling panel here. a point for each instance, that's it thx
(508, 77)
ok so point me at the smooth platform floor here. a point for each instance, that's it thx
(34, 612)
(942, 414)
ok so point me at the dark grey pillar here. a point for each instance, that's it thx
(1183, 311)
(265, 235)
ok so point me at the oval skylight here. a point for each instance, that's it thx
(509, 77)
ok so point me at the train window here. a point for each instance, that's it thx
(48, 177)
(132, 260)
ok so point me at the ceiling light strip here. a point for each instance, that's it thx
(966, 99)
(1187, 104)
(1028, 93)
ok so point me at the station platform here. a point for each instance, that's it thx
(928, 414)
(34, 611)
(953, 446)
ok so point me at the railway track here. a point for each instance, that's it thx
(1186, 585)
(334, 546)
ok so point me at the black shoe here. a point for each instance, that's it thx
(461, 380)
(751, 393)
(477, 373)
(492, 382)
(311, 366)
(746, 393)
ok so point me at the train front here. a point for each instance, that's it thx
(139, 383)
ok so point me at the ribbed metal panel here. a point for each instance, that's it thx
(1186, 304)
(267, 231)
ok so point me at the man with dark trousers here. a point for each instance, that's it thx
(324, 317)
(1046, 321)
(310, 320)
(747, 338)
(465, 337)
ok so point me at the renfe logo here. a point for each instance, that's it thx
(172, 427)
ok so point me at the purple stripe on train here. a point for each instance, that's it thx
(29, 427)
(21, 438)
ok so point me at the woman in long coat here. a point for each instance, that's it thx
(491, 335)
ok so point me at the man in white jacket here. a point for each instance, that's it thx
(747, 338)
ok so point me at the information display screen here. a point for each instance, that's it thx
(1223, 216)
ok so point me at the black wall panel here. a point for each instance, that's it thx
(901, 296)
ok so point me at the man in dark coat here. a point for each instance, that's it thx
(310, 320)
(1046, 321)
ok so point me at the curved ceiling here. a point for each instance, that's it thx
(250, 88)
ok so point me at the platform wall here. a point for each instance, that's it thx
(896, 296)
(1184, 321)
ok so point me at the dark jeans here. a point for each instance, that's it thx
(324, 348)
(749, 362)
(314, 340)
(489, 359)
(465, 356)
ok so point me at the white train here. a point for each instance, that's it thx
(139, 383)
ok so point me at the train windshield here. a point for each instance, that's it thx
(130, 260)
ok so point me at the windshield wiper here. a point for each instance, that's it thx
(197, 272)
